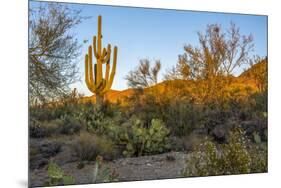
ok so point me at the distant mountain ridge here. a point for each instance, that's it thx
(245, 78)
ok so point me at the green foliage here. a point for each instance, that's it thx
(256, 106)
(144, 105)
(54, 171)
(97, 118)
(41, 129)
(69, 125)
(141, 140)
(138, 139)
(68, 180)
(235, 157)
(260, 102)
(181, 116)
(64, 125)
(157, 140)
(42, 114)
(57, 176)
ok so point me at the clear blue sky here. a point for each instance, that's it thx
(155, 34)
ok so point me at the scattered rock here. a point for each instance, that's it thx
(44, 151)
(251, 126)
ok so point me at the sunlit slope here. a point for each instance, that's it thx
(243, 85)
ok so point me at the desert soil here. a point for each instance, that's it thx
(162, 166)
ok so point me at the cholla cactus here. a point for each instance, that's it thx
(94, 80)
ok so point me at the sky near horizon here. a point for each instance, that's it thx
(154, 34)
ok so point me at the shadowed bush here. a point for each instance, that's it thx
(88, 146)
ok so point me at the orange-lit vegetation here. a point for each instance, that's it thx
(202, 109)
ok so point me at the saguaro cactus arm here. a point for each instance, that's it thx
(112, 74)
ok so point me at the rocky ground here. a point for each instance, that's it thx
(162, 166)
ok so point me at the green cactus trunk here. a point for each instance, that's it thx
(94, 77)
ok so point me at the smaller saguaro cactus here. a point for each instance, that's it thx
(94, 77)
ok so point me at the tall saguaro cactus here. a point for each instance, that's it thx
(94, 80)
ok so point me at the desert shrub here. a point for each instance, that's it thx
(214, 115)
(191, 141)
(49, 113)
(41, 114)
(68, 125)
(179, 113)
(259, 106)
(259, 159)
(145, 105)
(88, 146)
(235, 157)
(59, 111)
(36, 130)
(258, 151)
(97, 118)
(57, 176)
(261, 101)
(181, 116)
(63, 125)
(43, 129)
(255, 107)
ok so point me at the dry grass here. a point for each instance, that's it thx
(88, 146)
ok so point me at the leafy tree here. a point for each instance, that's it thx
(53, 51)
(144, 75)
(219, 54)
